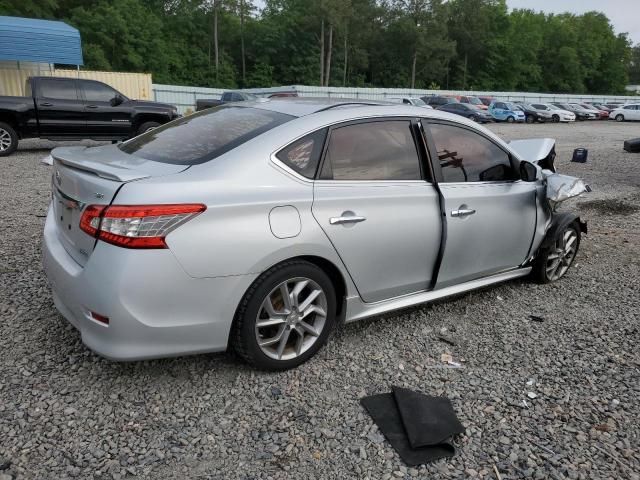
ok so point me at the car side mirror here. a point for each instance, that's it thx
(117, 100)
(528, 171)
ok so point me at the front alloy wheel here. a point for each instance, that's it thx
(562, 255)
(511, 119)
(620, 118)
(285, 316)
(554, 261)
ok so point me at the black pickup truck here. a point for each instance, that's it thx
(75, 109)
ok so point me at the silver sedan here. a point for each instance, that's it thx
(263, 225)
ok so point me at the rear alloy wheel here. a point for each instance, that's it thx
(285, 317)
(511, 119)
(554, 261)
(555, 118)
(619, 118)
(8, 139)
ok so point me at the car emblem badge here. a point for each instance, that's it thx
(58, 177)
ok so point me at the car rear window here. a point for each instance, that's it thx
(203, 136)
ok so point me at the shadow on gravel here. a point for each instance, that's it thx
(610, 207)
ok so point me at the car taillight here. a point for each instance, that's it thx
(136, 226)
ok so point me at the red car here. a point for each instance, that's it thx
(473, 101)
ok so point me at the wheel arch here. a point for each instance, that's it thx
(558, 223)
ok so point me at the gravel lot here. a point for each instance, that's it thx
(545, 400)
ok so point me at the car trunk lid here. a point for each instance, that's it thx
(92, 176)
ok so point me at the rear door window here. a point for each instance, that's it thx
(390, 152)
(59, 89)
(203, 136)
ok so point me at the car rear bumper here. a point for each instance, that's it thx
(154, 308)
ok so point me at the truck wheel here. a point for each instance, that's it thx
(8, 139)
(146, 126)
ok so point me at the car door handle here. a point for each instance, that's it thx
(92, 106)
(463, 212)
(346, 219)
(46, 104)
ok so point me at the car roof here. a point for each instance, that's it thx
(336, 110)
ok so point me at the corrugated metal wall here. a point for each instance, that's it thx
(184, 97)
(382, 93)
(133, 85)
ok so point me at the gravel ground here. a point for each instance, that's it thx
(550, 399)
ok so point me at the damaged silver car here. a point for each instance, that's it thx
(263, 225)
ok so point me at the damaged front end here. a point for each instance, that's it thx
(542, 153)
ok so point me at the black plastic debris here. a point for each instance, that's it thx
(632, 146)
(419, 427)
(580, 155)
(536, 318)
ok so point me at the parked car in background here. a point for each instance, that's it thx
(601, 114)
(468, 111)
(75, 109)
(630, 111)
(283, 94)
(202, 238)
(486, 100)
(506, 112)
(472, 100)
(557, 114)
(613, 105)
(579, 112)
(600, 106)
(438, 100)
(533, 115)
(593, 113)
(415, 101)
(227, 97)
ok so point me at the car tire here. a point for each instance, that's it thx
(555, 118)
(529, 119)
(475, 118)
(147, 126)
(510, 119)
(293, 340)
(619, 118)
(553, 262)
(8, 139)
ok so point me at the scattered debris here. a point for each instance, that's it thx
(532, 395)
(495, 469)
(580, 155)
(446, 339)
(446, 358)
(536, 318)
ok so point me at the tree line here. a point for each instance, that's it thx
(454, 44)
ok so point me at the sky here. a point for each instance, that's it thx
(623, 14)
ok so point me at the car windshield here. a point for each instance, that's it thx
(203, 136)
(418, 102)
(475, 101)
(510, 106)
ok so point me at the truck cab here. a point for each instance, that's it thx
(60, 108)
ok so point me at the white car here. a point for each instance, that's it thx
(556, 114)
(630, 111)
(415, 101)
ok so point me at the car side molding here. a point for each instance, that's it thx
(357, 309)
